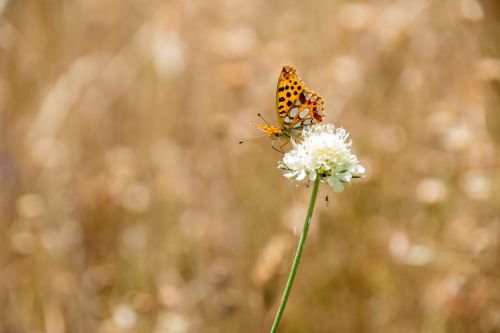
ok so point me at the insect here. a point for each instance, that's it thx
(297, 107)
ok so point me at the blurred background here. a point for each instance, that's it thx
(127, 205)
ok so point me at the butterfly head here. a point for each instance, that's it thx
(271, 131)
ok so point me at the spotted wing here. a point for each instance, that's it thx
(306, 110)
(290, 86)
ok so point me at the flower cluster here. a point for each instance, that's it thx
(325, 152)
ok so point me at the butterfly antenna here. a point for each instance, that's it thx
(257, 137)
(261, 117)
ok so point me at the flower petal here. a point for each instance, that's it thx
(345, 177)
(335, 184)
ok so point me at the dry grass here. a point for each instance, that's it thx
(126, 204)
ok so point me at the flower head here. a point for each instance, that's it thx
(325, 152)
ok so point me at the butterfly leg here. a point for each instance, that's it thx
(272, 146)
(280, 150)
(283, 145)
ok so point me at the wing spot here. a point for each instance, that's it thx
(282, 99)
(295, 93)
(287, 87)
(288, 94)
(289, 103)
(299, 87)
(302, 98)
(293, 112)
(304, 113)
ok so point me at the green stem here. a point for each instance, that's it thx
(298, 255)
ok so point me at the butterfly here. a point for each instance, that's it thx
(297, 107)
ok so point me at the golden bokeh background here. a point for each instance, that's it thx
(127, 205)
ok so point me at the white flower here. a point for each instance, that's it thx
(325, 152)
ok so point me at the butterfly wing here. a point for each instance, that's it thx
(290, 86)
(306, 110)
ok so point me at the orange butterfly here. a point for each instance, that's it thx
(297, 107)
